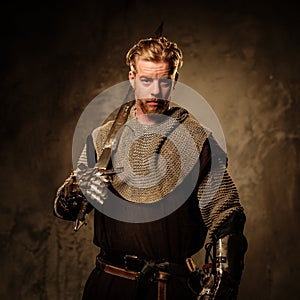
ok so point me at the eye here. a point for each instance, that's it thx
(165, 82)
(146, 80)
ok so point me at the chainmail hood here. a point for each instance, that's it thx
(156, 158)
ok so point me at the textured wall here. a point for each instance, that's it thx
(244, 59)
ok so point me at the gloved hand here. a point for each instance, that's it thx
(68, 200)
(92, 183)
(219, 288)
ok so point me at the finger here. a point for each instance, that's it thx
(105, 178)
(96, 197)
(94, 188)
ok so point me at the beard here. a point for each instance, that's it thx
(153, 105)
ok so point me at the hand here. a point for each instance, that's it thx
(92, 183)
(204, 297)
(207, 291)
(68, 200)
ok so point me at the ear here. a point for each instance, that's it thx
(131, 77)
(176, 78)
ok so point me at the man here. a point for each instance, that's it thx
(172, 176)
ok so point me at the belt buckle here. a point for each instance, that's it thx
(133, 263)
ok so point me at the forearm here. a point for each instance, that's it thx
(228, 250)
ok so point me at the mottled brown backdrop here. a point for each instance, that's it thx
(243, 57)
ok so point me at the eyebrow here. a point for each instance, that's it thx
(169, 76)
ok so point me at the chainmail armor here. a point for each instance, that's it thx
(217, 194)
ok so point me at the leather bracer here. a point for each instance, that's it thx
(228, 250)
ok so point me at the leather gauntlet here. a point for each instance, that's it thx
(228, 257)
(69, 200)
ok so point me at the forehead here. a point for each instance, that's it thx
(153, 69)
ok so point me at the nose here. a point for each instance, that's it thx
(155, 88)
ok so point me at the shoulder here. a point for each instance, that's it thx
(108, 122)
(101, 129)
(100, 134)
(198, 131)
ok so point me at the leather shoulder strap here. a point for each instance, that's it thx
(119, 121)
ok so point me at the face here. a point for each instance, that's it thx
(153, 85)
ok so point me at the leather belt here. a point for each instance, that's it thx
(113, 270)
(159, 272)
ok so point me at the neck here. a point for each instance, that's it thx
(146, 119)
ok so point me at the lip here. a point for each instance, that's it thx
(153, 103)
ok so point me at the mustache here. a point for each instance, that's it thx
(153, 99)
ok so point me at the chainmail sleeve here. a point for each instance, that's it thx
(223, 204)
(217, 194)
(83, 157)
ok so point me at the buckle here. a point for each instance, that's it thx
(133, 263)
(191, 265)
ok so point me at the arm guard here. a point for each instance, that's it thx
(227, 264)
(69, 199)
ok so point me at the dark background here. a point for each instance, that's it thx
(243, 57)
